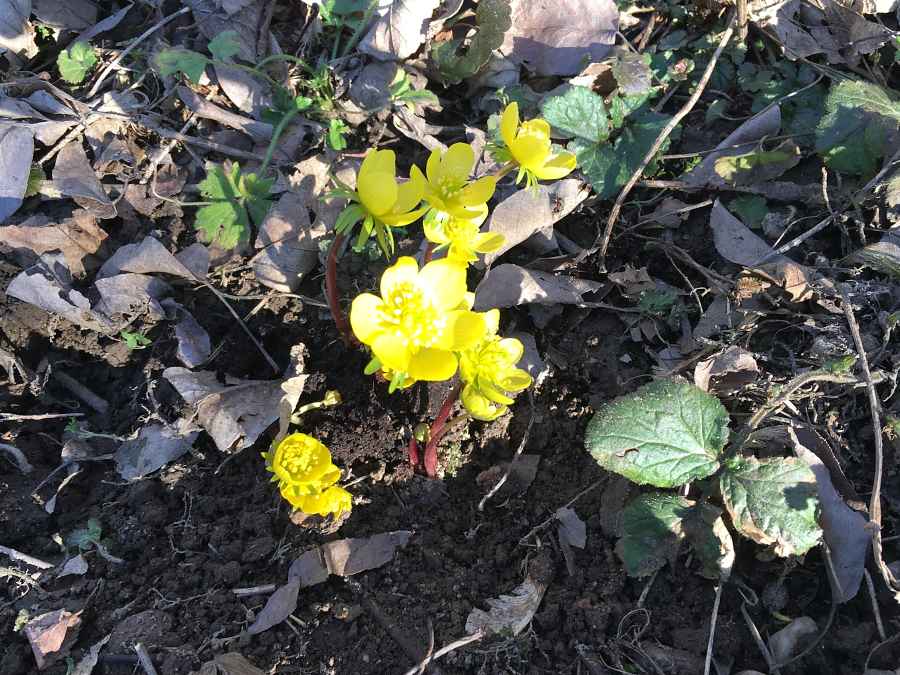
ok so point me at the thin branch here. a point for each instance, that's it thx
(516, 456)
(25, 558)
(446, 649)
(655, 148)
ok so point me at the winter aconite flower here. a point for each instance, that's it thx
(448, 191)
(463, 236)
(379, 201)
(306, 475)
(528, 145)
(420, 320)
(489, 374)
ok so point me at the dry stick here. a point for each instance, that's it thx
(81, 392)
(199, 142)
(18, 457)
(518, 452)
(874, 409)
(446, 649)
(13, 417)
(255, 590)
(125, 52)
(870, 585)
(25, 558)
(654, 149)
(144, 659)
(430, 653)
(712, 628)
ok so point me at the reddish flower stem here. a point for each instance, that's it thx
(413, 451)
(331, 291)
(438, 428)
(429, 252)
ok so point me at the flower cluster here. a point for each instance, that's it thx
(306, 476)
(421, 325)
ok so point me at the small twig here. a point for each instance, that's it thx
(537, 528)
(138, 40)
(144, 659)
(81, 392)
(446, 649)
(25, 558)
(601, 244)
(193, 140)
(254, 590)
(712, 629)
(12, 417)
(18, 456)
(645, 592)
(760, 643)
(870, 585)
(796, 241)
(516, 455)
(429, 655)
(875, 411)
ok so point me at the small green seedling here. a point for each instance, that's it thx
(669, 433)
(402, 92)
(76, 62)
(89, 538)
(337, 133)
(135, 340)
(235, 200)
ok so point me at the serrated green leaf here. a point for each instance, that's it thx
(665, 434)
(578, 113)
(652, 529)
(225, 45)
(759, 165)
(608, 167)
(76, 62)
(773, 501)
(236, 199)
(751, 209)
(861, 122)
(493, 18)
(179, 60)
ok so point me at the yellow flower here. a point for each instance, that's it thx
(463, 236)
(447, 187)
(530, 147)
(379, 201)
(489, 374)
(305, 474)
(418, 322)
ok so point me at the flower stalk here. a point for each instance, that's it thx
(331, 291)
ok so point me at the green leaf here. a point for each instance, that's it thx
(632, 72)
(236, 199)
(179, 60)
(225, 45)
(337, 130)
(76, 62)
(707, 534)
(579, 113)
(773, 501)
(36, 177)
(759, 165)
(665, 434)
(608, 167)
(751, 209)
(493, 18)
(861, 122)
(652, 529)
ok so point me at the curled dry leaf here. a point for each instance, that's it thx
(727, 371)
(155, 446)
(51, 635)
(231, 663)
(883, 256)
(792, 638)
(16, 33)
(89, 660)
(78, 237)
(737, 243)
(844, 529)
(72, 15)
(399, 30)
(509, 285)
(152, 257)
(16, 151)
(346, 557)
(528, 213)
(511, 614)
(558, 38)
(572, 527)
(74, 177)
(76, 566)
(129, 295)
(280, 605)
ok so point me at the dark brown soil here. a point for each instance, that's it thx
(203, 527)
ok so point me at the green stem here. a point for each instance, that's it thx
(276, 134)
(248, 69)
(296, 60)
(370, 10)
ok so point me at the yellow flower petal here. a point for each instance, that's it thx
(377, 192)
(530, 151)
(478, 406)
(516, 380)
(457, 162)
(445, 282)
(379, 161)
(365, 317)
(488, 242)
(334, 500)
(432, 365)
(478, 192)
(512, 349)
(392, 349)
(401, 219)
(509, 123)
(409, 194)
(556, 167)
(404, 271)
(465, 329)
(492, 321)
(433, 166)
(434, 231)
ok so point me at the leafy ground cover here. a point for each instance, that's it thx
(696, 475)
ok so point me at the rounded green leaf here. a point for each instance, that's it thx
(773, 501)
(652, 527)
(665, 434)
